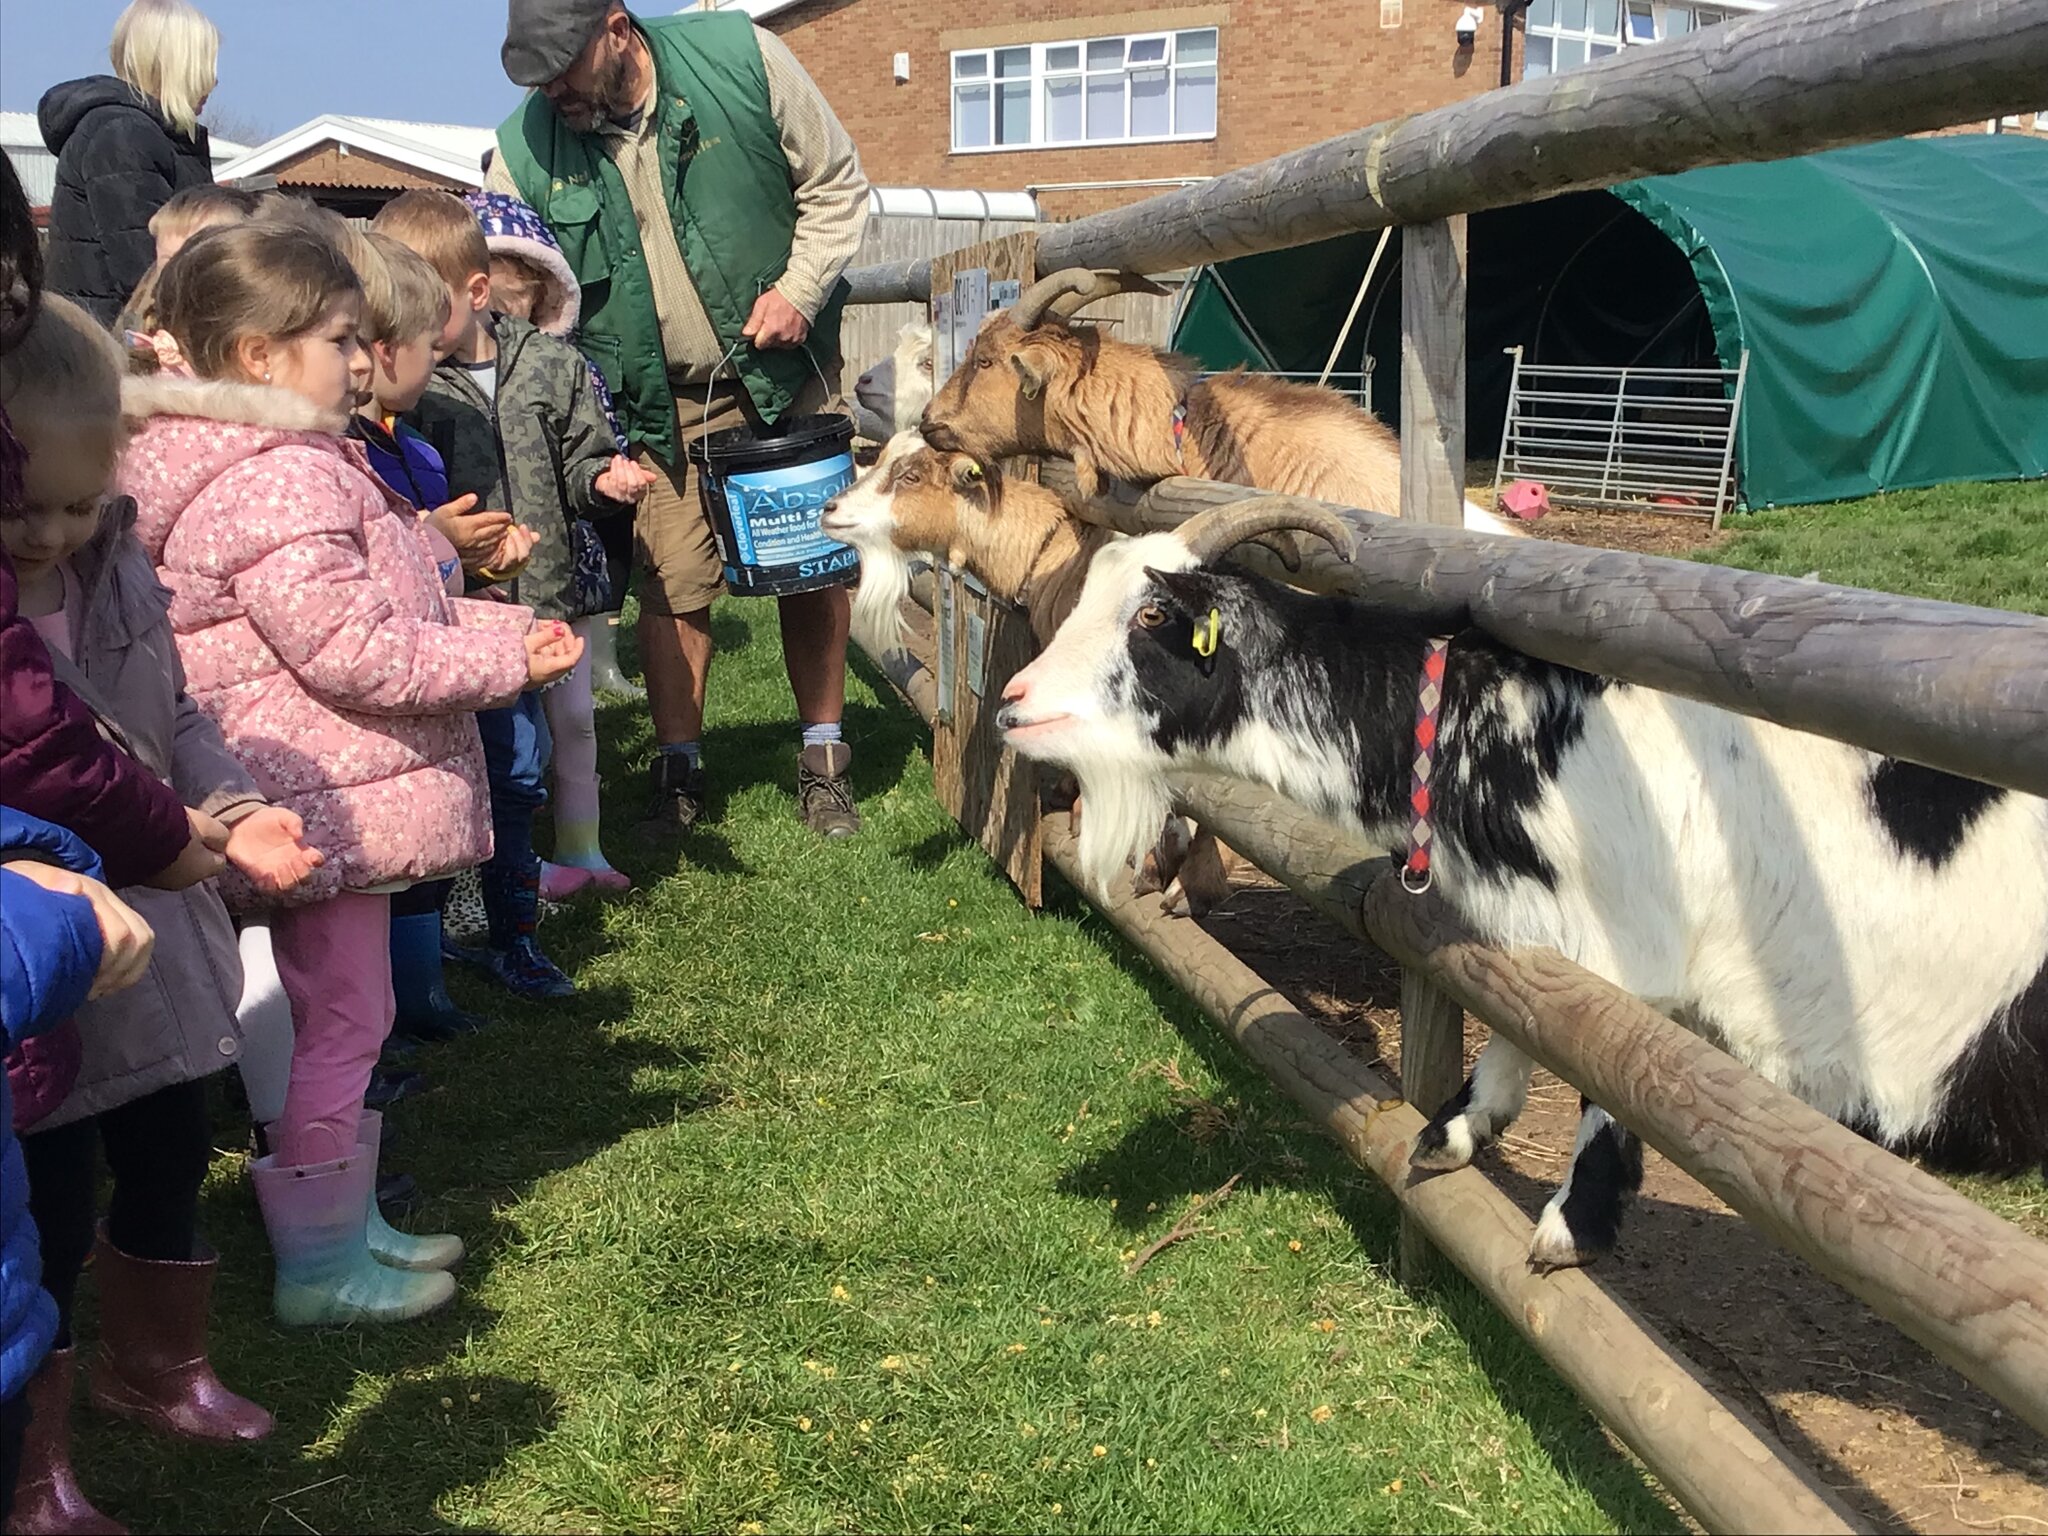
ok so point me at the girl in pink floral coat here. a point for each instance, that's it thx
(315, 631)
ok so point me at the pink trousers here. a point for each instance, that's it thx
(335, 960)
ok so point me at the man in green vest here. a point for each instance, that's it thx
(707, 200)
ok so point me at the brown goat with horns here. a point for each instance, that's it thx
(1032, 383)
(1027, 547)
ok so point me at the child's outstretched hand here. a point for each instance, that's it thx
(623, 480)
(474, 534)
(509, 557)
(268, 847)
(552, 651)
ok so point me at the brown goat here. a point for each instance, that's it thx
(1016, 536)
(1023, 543)
(1033, 384)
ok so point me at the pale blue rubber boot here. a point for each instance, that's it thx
(317, 1216)
(388, 1245)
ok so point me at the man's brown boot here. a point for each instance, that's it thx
(823, 797)
(676, 794)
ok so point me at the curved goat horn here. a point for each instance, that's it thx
(1072, 289)
(1211, 534)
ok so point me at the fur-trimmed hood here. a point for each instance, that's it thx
(186, 433)
(511, 228)
(145, 396)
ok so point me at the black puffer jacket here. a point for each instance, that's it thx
(118, 161)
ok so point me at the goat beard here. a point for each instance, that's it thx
(878, 599)
(1122, 811)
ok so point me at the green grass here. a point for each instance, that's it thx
(811, 1213)
(1981, 544)
(1985, 545)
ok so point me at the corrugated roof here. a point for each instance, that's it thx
(450, 151)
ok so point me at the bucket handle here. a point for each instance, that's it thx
(711, 384)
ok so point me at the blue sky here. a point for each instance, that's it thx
(284, 61)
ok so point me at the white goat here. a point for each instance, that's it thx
(891, 396)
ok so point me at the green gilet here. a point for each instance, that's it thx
(729, 195)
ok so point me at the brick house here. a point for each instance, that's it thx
(1004, 93)
(1096, 104)
(354, 165)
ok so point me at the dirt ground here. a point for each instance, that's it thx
(1907, 1442)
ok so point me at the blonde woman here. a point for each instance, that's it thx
(124, 144)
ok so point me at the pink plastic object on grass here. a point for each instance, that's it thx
(1526, 500)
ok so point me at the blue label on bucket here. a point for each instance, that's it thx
(775, 512)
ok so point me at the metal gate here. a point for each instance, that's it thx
(1655, 439)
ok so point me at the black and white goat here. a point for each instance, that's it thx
(1869, 935)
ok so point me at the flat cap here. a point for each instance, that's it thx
(543, 37)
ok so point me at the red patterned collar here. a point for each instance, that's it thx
(1416, 875)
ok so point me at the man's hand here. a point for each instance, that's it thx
(268, 847)
(509, 556)
(623, 480)
(126, 941)
(475, 535)
(203, 857)
(775, 322)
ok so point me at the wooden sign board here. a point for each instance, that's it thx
(988, 789)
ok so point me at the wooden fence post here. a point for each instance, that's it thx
(1432, 491)
(989, 789)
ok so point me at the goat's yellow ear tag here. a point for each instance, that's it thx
(1209, 635)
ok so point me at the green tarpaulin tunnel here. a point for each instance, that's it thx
(1893, 300)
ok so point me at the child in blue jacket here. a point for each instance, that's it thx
(63, 937)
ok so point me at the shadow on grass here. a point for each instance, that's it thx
(379, 1425)
(1249, 1127)
(933, 852)
(428, 1437)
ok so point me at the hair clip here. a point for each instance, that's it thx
(1209, 635)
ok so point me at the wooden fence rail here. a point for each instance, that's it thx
(1961, 689)
(1807, 76)
(1968, 1285)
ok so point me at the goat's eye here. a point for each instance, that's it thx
(925, 366)
(984, 362)
(1151, 616)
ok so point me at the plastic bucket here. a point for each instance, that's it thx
(764, 496)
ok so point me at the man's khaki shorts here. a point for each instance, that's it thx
(680, 572)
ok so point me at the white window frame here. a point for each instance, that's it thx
(1587, 36)
(1657, 13)
(1040, 75)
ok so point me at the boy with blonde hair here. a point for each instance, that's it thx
(185, 215)
(513, 415)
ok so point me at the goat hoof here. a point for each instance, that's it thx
(1554, 1247)
(1443, 1146)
